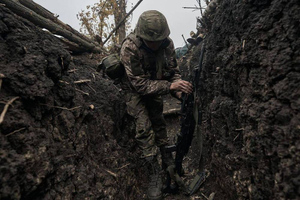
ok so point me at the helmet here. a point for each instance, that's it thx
(152, 26)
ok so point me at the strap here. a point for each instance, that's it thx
(135, 39)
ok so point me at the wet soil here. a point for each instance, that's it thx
(68, 136)
(250, 99)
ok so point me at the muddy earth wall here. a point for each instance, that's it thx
(60, 139)
(251, 99)
(67, 140)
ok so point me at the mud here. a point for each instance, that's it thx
(250, 99)
(64, 139)
(60, 139)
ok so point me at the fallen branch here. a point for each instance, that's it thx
(111, 173)
(43, 22)
(173, 111)
(123, 166)
(16, 131)
(63, 108)
(82, 92)
(103, 168)
(6, 108)
(82, 81)
(49, 15)
(72, 70)
(204, 196)
(236, 137)
(92, 88)
(65, 82)
(72, 46)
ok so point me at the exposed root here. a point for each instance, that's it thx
(92, 88)
(123, 166)
(65, 82)
(63, 108)
(82, 81)
(173, 111)
(82, 92)
(6, 108)
(72, 70)
(16, 131)
(111, 173)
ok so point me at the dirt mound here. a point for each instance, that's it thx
(61, 139)
(250, 99)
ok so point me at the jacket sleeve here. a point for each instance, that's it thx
(138, 80)
(172, 63)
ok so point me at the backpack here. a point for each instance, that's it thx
(112, 67)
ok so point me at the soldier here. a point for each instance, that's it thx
(151, 70)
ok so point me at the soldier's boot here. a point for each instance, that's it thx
(166, 158)
(168, 165)
(154, 191)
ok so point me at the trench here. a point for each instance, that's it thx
(68, 135)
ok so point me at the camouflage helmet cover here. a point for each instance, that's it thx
(152, 26)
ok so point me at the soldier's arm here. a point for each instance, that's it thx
(172, 63)
(138, 80)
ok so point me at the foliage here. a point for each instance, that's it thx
(98, 20)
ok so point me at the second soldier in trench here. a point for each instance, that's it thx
(151, 71)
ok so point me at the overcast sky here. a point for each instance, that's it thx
(181, 21)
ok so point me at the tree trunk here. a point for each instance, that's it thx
(38, 20)
(40, 10)
(122, 14)
(122, 21)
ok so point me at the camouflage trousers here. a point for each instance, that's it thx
(150, 123)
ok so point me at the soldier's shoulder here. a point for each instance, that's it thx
(132, 37)
(127, 42)
(130, 46)
(128, 49)
(131, 41)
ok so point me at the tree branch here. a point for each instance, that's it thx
(6, 108)
(49, 15)
(122, 21)
(41, 21)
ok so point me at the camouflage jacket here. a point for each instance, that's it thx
(148, 72)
